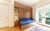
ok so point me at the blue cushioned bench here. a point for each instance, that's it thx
(25, 21)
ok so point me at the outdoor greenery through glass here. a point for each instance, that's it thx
(40, 15)
(47, 15)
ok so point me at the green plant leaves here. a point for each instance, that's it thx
(16, 9)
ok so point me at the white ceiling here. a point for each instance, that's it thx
(30, 2)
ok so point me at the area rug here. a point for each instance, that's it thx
(38, 28)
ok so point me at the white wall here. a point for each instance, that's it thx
(11, 11)
(39, 4)
(33, 12)
(11, 14)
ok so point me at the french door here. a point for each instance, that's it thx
(40, 15)
(43, 15)
(47, 14)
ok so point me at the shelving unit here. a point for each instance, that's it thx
(16, 17)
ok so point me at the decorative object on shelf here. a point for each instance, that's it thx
(16, 9)
(16, 19)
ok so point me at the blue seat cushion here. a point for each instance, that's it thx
(27, 22)
(25, 19)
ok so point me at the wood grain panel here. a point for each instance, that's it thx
(29, 8)
(25, 7)
(17, 4)
(27, 14)
(24, 11)
(20, 5)
(26, 26)
(20, 13)
(14, 3)
(30, 13)
(16, 23)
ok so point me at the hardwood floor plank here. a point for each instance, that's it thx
(10, 29)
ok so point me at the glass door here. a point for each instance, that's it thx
(39, 15)
(47, 15)
(43, 15)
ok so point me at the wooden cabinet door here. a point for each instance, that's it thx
(14, 3)
(17, 4)
(25, 7)
(20, 5)
(16, 23)
(26, 14)
(20, 13)
(29, 8)
(30, 13)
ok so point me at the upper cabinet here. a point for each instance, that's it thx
(29, 8)
(21, 13)
(24, 7)
(14, 3)
(30, 13)
(20, 5)
(24, 10)
(17, 4)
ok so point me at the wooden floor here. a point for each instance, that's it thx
(15, 28)
(10, 29)
(28, 28)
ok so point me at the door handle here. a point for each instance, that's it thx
(6, 17)
(43, 17)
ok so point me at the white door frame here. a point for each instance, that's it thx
(37, 15)
(43, 14)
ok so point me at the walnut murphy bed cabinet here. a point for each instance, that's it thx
(23, 11)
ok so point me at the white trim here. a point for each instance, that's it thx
(43, 12)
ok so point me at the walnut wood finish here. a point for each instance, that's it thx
(26, 26)
(14, 3)
(24, 7)
(24, 12)
(17, 4)
(16, 23)
(20, 13)
(20, 5)
(29, 8)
